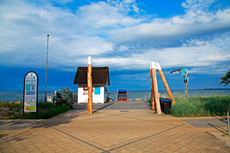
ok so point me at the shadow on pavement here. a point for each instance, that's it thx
(103, 107)
(218, 128)
(63, 118)
(221, 119)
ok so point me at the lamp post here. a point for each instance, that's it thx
(46, 69)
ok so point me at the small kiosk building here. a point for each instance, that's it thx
(100, 79)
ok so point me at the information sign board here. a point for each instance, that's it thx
(30, 92)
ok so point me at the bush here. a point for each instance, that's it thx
(50, 113)
(47, 110)
(66, 94)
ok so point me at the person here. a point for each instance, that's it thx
(59, 97)
(60, 101)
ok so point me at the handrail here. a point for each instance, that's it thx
(228, 120)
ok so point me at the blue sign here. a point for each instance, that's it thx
(183, 73)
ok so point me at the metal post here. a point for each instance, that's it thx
(228, 120)
(46, 68)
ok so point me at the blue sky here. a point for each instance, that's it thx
(126, 35)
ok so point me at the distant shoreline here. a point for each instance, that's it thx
(217, 89)
(133, 90)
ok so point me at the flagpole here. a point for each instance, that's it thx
(46, 69)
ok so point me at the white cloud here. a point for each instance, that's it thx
(197, 54)
(122, 48)
(129, 1)
(198, 39)
(136, 9)
(62, 1)
(212, 70)
(101, 14)
(200, 54)
(196, 5)
(174, 29)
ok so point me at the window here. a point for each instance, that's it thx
(97, 91)
(85, 90)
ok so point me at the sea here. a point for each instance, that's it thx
(7, 96)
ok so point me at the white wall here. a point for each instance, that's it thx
(82, 98)
(96, 98)
(99, 98)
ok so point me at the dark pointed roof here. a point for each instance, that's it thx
(100, 75)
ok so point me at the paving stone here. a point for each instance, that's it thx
(16, 125)
(129, 105)
(135, 130)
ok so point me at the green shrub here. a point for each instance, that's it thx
(66, 94)
(49, 111)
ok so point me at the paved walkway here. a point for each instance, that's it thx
(130, 105)
(112, 131)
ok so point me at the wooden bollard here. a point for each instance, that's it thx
(152, 92)
(158, 67)
(155, 86)
(90, 97)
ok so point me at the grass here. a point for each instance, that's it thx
(10, 105)
(45, 111)
(201, 106)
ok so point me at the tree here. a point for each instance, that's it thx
(66, 93)
(226, 78)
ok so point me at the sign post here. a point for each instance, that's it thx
(184, 73)
(30, 92)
